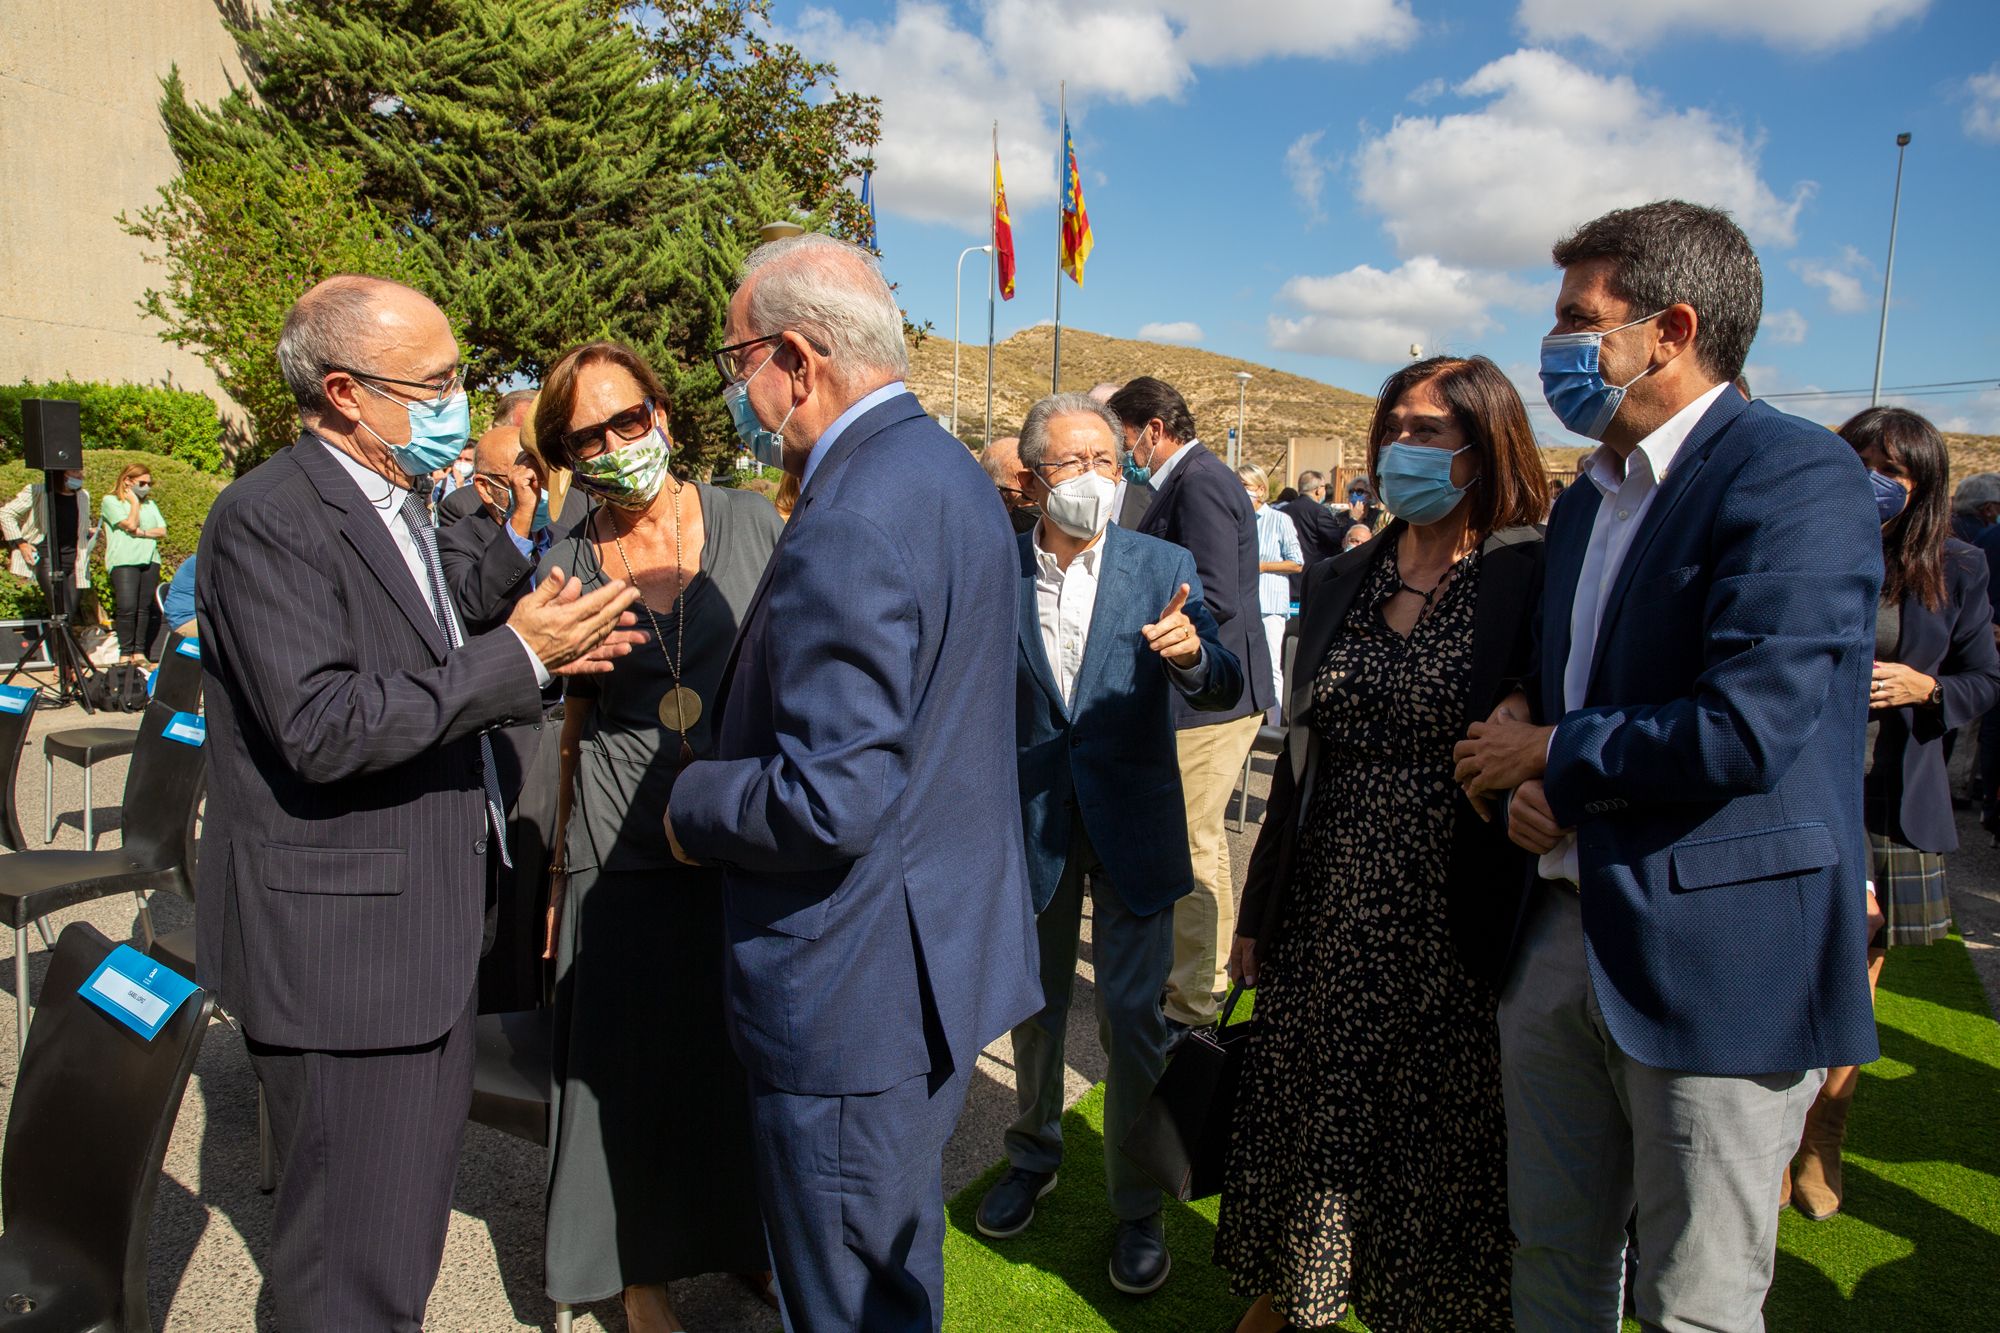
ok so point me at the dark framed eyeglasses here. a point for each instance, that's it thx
(729, 359)
(436, 391)
(587, 442)
(1055, 474)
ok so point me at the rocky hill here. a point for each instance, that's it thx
(1277, 404)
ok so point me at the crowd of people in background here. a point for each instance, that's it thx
(728, 781)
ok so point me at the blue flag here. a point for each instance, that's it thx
(868, 202)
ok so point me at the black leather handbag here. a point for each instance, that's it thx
(1181, 1135)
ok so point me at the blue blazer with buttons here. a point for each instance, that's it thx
(1713, 773)
(861, 798)
(1109, 758)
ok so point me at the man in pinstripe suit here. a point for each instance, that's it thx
(352, 799)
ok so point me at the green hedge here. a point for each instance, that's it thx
(183, 493)
(171, 422)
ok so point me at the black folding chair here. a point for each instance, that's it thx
(178, 685)
(17, 711)
(94, 1107)
(161, 792)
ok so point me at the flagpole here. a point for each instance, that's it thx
(992, 277)
(1062, 202)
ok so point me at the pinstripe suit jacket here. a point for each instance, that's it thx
(341, 885)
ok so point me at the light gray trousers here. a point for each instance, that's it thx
(1591, 1133)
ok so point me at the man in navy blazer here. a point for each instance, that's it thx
(861, 797)
(1200, 505)
(1112, 628)
(1694, 957)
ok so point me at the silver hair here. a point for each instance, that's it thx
(328, 326)
(1310, 480)
(833, 294)
(1035, 430)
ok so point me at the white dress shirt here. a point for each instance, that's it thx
(1161, 469)
(389, 508)
(1064, 601)
(1627, 490)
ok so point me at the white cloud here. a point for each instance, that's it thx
(1793, 25)
(1784, 326)
(1975, 414)
(944, 80)
(1556, 146)
(1982, 110)
(1179, 331)
(1429, 91)
(1307, 171)
(1840, 279)
(1369, 314)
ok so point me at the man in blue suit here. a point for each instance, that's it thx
(861, 797)
(1695, 954)
(1112, 624)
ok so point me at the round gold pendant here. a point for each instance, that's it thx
(680, 708)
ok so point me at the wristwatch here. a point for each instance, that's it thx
(1936, 696)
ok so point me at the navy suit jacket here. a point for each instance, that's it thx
(1954, 644)
(341, 897)
(863, 803)
(1203, 507)
(1713, 774)
(1109, 757)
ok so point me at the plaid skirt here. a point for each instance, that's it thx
(1909, 886)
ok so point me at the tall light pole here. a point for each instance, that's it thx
(1889, 269)
(1236, 444)
(956, 282)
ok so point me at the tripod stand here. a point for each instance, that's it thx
(54, 569)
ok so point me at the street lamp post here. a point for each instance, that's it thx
(1236, 443)
(1889, 269)
(955, 284)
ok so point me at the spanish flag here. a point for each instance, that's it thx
(1003, 231)
(1076, 238)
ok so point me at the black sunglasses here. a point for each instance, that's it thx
(627, 425)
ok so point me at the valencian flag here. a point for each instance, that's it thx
(1003, 231)
(1076, 238)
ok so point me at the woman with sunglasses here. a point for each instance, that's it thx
(650, 1167)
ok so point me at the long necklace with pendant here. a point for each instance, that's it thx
(680, 707)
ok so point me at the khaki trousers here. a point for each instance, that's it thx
(1205, 921)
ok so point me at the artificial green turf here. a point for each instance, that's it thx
(1915, 1247)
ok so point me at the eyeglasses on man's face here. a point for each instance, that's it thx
(587, 442)
(1056, 472)
(733, 361)
(433, 393)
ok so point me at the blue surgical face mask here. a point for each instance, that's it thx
(1890, 497)
(541, 520)
(1573, 383)
(1135, 474)
(72, 484)
(766, 446)
(438, 433)
(1415, 482)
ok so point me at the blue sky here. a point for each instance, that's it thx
(1315, 184)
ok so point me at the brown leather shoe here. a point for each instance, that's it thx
(1816, 1191)
(1785, 1188)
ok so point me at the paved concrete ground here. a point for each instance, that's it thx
(211, 1228)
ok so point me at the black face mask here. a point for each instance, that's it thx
(1024, 520)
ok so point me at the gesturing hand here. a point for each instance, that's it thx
(1172, 636)
(574, 634)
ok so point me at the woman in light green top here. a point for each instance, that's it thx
(133, 528)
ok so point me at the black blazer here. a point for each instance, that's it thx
(1485, 885)
(1202, 506)
(1954, 644)
(460, 505)
(1320, 531)
(343, 870)
(485, 571)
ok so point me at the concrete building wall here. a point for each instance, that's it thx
(81, 141)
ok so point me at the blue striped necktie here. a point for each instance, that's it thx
(419, 518)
